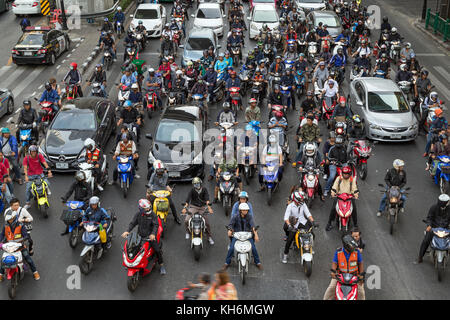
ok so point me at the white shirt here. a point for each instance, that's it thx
(331, 92)
(304, 122)
(365, 51)
(297, 212)
(24, 214)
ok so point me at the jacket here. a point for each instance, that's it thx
(197, 199)
(27, 116)
(395, 178)
(236, 82)
(235, 210)
(239, 224)
(74, 77)
(437, 217)
(82, 192)
(51, 96)
(338, 153)
(310, 133)
(342, 185)
(98, 76)
(338, 61)
(100, 215)
(94, 156)
(147, 224)
(341, 112)
(12, 141)
(13, 231)
(158, 183)
(276, 99)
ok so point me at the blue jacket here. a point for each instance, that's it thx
(51, 96)
(210, 77)
(341, 36)
(13, 144)
(236, 82)
(235, 209)
(287, 80)
(438, 123)
(135, 97)
(119, 16)
(99, 215)
(232, 40)
(338, 61)
(239, 224)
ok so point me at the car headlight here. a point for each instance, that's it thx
(151, 158)
(253, 27)
(157, 26)
(414, 127)
(374, 126)
(197, 159)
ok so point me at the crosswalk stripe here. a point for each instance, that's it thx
(430, 55)
(12, 77)
(443, 72)
(4, 69)
(27, 81)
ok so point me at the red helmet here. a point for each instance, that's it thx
(342, 99)
(278, 113)
(232, 72)
(74, 65)
(346, 170)
(298, 197)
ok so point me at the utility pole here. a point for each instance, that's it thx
(424, 10)
(63, 16)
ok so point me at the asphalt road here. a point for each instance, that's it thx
(400, 279)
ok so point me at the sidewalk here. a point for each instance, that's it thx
(419, 24)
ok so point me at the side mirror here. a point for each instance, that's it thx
(224, 15)
(193, 15)
(359, 103)
(412, 104)
(149, 136)
(249, 18)
(104, 125)
(380, 185)
(181, 46)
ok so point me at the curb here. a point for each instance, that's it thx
(96, 50)
(419, 25)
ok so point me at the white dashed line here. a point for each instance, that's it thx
(68, 56)
(17, 111)
(40, 87)
(9, 120)
(77, 45)
(73, 50)
(58, 67)
(442, 72)
(33, 93)
(430, 55)
(63, 61)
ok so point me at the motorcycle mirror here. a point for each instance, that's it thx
(249, 18)
(359, 103)
(181, 46)
(149, 136)
(380, 185)
(256, 228)
(131, 16)
(36, 99)
(407, 189)
(193, 15)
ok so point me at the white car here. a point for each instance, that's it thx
(262, 14)
(210, 16)
(21, 7)
(311, 5)
(153, 16)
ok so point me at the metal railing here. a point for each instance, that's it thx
(438, 24)
(101, 13)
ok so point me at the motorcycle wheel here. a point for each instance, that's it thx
(125, 191)
(86, 267)
(73, 238)
(441, 269)
(391, 224)
(443, 185)
(362, 170)
(44, 211)
(307, 267)
(247, 178)
(197, 252)
(269, 197)
(226, 207)
(12, 287)
(309, 203)
(132, 282)
(108, 65)
(219, 96)
(243, 272)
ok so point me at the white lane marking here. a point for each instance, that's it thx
(63, 61)
(9, 120)
(142, 54)
(17, 111)
(6, 83)
(27, 81)
(34, 92)
(68, 56)
(440, 86)
(77, 45)
(73, 50)
(4, 69)
(442, 72)
(41, 86)
(58, 67)
(76, 40)
(431, 55)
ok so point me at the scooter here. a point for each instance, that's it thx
(270, 179)
(304, 241)
(197, 228)
(312, 52)
(361, 151)
(108, 60)
(394, 195)
(139, 258)
(122, 96)
(72, 217)
(346, 286)
(235, 97)
(151, 102)
(300, 80)
(236, 53)
(227, 190)
(226, 132)
(125, 175)
(46, 114)
(119, 29)
(442, 176)
(328, 106)
(88, 168)
(249, 162)
(12, 262)
(97, 90)
(39, 193)
(161, 206)
(70, 92)
(94, 239)
(26, 138)
(440, 246)
(394, 52)
(286, 92)
(310, 183)
(344, 210)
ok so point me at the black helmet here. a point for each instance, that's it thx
(48, 86)
(349, 243)
(26, 102)
(385, 19)
(276, 87)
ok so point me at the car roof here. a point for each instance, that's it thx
(208, 5)
(186, 113)
(148, 6)
(374, 84)
(38, 28)
(80, 104)
(263, 6)
(201, 33)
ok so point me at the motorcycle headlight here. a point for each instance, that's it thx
(393, 200)
(311, 177)
(23, 137)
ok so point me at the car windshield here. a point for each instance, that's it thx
(269, 16)
(209, 13)
(175, 131)
(330, 21)
(82, 121)
(310, 1)
(387, 102)
(198, 43)
(146, 14)
(32, 38)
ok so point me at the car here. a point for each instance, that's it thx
(196, 42)
(384, 109)
(327, 17)
(40, 45)
(153, 17)
(209, 16)
(25, 7)
(6, 102)
(254, 2)
(178, 142)
(221, 2)
(262, 14)
(5, 5)
(311, 5)
(77, 120)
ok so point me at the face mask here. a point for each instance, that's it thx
(197, 186)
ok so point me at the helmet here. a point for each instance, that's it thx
(79, 176)
(243, 194)
(158, 166)
(433, 95)
(127, 104)
(221, 55)
(385, 19)
(26, 102)
(94, 200)
(383, 46)
(356, 118)
(398, 163)
(151, 70)
(226, 105)
(408, 45)
(33, 148)
(339, 140)
(443, 200)
(342, 100)
(425, 72)
(48, 86)
(339, 50)
(403, 67)
(144, 204)
(140, 22)
(346, 170)
(134, 86)
(383, 55)
(232, 73)
(196, 180)
(6, 130)
(276, 87)
(11, 215)
(179, 72)
(244, 206)
(272, 139)
(106, 19)
(253, 100)
(74, 66)
(89, 144)
(278, 114)
(394, 30)
(298, 197)
(278, 57)
(310, 149)
(309, 93)
(349, 243)
(119, 8)
(443, 137)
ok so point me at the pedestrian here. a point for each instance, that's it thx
(222, 288)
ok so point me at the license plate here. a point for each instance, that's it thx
(396, 136)
(62, 165)
(27, 53)
(175, 174)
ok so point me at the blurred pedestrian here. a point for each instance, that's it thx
(222, 288)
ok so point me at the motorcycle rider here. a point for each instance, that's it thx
(356, 130)
(99, 76)
(119, 16)
(126, 147)
(130, 115)
(196, 201)
(296, 216)
(109, 44)
(210, 77)
(148, 225)
(438, 124)
(200, 88)
(339, 153)
(403, 74)
(407, 52)
(288, 80)
(310, 132)
(28, 116)
(94, 156)
(52, 96)
(412, 64)
(6, 186)
(242, 222)
(74, 77)
(107, 26)
(347, 260)
(235, 40)
(127, 79)
(233, 81)
(24, 217)
(438, 217)
(24, 23)
(179, 85)
(243, 198)
(309, 104)
(384, 64)
(440, 148)
(220, 65)
(135, 96)
(275, 98)
(277, 66)
(226, 115)
(228, 164)
(154, 83)
(95, 213)
(206, 60)
(321, 75)
(279, 124)
(252, 112)
(394, 35)
(394, 177)
(272, 152)
(13, 230)
(159, 181)
(341, 110)
(363, 63)
(339, 61)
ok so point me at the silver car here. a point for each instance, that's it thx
(329, 18)
(6, 102)
(384, 109)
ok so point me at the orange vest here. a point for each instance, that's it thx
(126, 149)
(93, 156)
(16, 235)
(350, 266)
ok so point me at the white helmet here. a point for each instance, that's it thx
(179, 72)
(310, 149)
(158, 166)
(398, 163)
(272, 139)
(134, 86)
(394, 29)
(10, 215)
(144, 204)
(244, 206)
(119, 8)
(403, 67)
(89, 144)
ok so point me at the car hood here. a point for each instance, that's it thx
(149, 24)
(170, 153)
(208, 23)
(391, 120)
(66, 142)
(271, 26)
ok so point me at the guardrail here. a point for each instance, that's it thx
(438, 24)
(102, 13)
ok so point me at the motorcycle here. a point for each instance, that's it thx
(361, 151)
(151, 102)
(161, 206)
(268, 53)
(405, 86)
(244, 76)
(394, 204)
(70, 92)
(97, 90)
(227, 190)
(235, 97)
(356, 72)
(328, 105)
(442, 176)
(119, 29)
(125, 175)
(440, 246)
(286, 92)
(122, 96)
(270, 180)
(88, 170)
(72, 217)
(39, 193)
(236, 55)
(197, 228)
(243, 252)
(26, 138)
(344, 209)
(249, 164)
(431, 112)
(46, 114)
(94, 237)
(12, 262)
(310, 183)
(346, 286)
(300, 80)
(108, 60)
(139, 258)
(257, 92)
(304, 241)
(394, 52)
(312, 52)
(276, 80)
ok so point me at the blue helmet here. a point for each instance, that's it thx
(127, 104)
(243, 194)
(106, 19)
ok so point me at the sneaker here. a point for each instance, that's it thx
(325, 194)
(284, 260)
(162, 270)
(425, 154)
(49, 192)
(325, 177)
(27, 206)
(225, 267)
(402, 210)
(379, 214)
(36, 275)
(137, 176)
(188, 236)
(100, 188)
(211, 241)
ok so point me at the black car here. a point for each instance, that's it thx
(77, 120)
(178, 142)
(40, 45)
